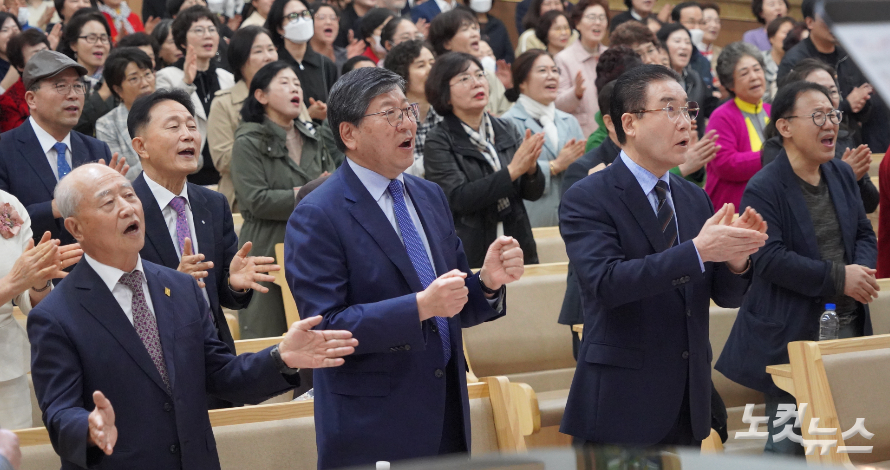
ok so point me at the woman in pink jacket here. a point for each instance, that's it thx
(739, 122)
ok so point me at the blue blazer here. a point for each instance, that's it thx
(345, 262)
(790, 277)
(645, 310)
(25, 173)
(81, 341)
(215, 231)
(426, 10)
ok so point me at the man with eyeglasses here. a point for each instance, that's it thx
(373, 251)
(35, 156)
(649, 253)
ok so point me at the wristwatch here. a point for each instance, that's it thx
(487, 289)
(48, 283)
(279, 362)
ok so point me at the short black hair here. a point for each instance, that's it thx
(139, 40)
(542, 30)
(5, 16)
(630, 92)
(521, 67)
(757, 9)
(352, 94)
(253, 110)
(116, 64)
(808, 8)
(532, 15)
(315, 6)
(604, 96)
(438, 83)
(60, 4)
(371, 21)
(668, 29)
(577, 11)
(445, 26)
(71, 33)
(773, 27)
(710, 6)
(400, 58)
(614, 62)
(389, 31)
(350, 64)
(804, 68)
(29, 37)
(140, 113)
(632, 33)
(240, 46)
(184, 21)
(160, 34)
(173, 7)
(785, 100)
(276, 18)
(675, 13)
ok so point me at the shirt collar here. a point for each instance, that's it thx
(374, 182)
(747, 107)
(47, 141)
(635, 15)
(444, 5)
(643, 176)
(110, 275)
(164, 195)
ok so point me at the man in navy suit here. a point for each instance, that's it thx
(35, 156)
(649, 252)
(374, 251)
(123, 352)
(430, 9)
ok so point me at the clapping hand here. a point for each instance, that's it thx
(504, 72)
(245, 272)
(859, 96)
(304, 347)
(103, 432)
(572, 151)
(525, 160)
(722, 239)
(700, 153)
(860, 283)
(504, 263)
(579, 85)
(117, 164)
(151, 23)
(192, 264)
(859, 159)
(190, 66)
(317, 110)
(355, 47)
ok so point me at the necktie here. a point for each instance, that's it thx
(145, 323)
(418, 256)
(179, 204)
(665, 213)
(61, 163)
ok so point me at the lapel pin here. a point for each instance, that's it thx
(203, 222)
(167, 291)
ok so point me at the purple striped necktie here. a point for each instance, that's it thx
(180, 205)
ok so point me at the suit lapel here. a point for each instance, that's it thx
(79, 153)
(203, 221)
(164, 308)
(34, 155)
(101, 304)
(841, 208)
(636, 201)
(155, 226)
(799, 210)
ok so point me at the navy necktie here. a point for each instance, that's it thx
(418, 256)
(665, 214)
(61, 163)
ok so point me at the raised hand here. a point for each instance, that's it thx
(579, 85)
(720, 241)
(700, 153)
(35, 266)
(46, 17)
(103, 432)
(245, 272)
(355, 47)
(192, 264)
(860, 283)
(504, 73)
(423, 27)
(504, 263)
(571, 152)
(9, 448)
(859, 159)
(750, 220)
(304, 347)
(317, 110)
(117, 164)
(444, 297)
(54, 36)
(234, 22)
(151, 23)
(190, 66)
(525, 160)
(859, 96)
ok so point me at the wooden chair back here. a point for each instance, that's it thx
(290, 305)
(551, 247)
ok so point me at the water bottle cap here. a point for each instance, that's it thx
(830, 306)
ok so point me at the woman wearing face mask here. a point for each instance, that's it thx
(275, 153)
(676, 40)
(765, 11)
(196, 33)
(483, 163)
(369, 30)
(528, 39)
(290, 23)
(492, 29)
(554, 31)
(412, 60)
(537, 85)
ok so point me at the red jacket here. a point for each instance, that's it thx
(13, 108)
(884, 219)
(133, 19)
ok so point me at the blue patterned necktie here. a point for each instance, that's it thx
(418, 256)
(62, 164)
(665, 214)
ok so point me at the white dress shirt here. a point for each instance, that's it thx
(124, 296)
(46, 144)
(444, 6)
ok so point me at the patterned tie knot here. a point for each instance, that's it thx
(60, 148)
(178, 204)
(662, 189)
(395, 188)
(132, 280)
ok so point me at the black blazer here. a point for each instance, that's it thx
(473, 188)
(25, 173)
(790, 277)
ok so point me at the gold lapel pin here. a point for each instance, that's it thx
(167, 291)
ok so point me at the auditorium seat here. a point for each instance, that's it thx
(551, 247)
(879, 309)
(238, 221)
(291, 314)
(876, 159)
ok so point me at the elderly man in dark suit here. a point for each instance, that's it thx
(124, 351)
(649, 252)
(35, 156)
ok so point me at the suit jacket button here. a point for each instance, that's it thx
(434, 328)
(407, 347)
(174, 448)
(168, 407)
(439, 373)
(688, 312)
(685, 354)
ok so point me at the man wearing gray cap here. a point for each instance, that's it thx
(35, 156)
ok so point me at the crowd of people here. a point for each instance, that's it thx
(200, 110)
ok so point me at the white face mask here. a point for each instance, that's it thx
(697, 35)
(376, 46)
(216, 6)
(480, 6)
(23, 16)
(489, 64)
(299, 30)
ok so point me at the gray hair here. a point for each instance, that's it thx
(352, 95)
(67, 197)
(731, 56)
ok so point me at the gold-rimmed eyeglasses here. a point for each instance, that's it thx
(396, 115)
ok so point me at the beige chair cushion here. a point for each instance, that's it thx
(286, 443)
(41, 457)
(551, 250)
(545, 380)
(880, 315)
(483, 434)
(733, 394)
(860, 386)
(553, 406)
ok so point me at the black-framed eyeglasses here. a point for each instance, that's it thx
(819, 117)
(299, 14)
(395, 115)
(136, 79)
(93, 38)
(690, 111)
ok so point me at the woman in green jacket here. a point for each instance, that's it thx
(274, 154)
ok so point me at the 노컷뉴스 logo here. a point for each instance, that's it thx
(784, 415)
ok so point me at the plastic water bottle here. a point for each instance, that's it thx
(828, 323)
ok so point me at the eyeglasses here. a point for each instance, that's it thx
(395, 115)
(92, 38)
(466, 79)
(819, 117)
(136, 79)
(64, 89)
(690, 111)
(596, 18)
(561, 29)
(201, 31)
(299, 14)
(325, 17)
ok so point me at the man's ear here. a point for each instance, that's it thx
(139, 147)
(810, 22)
(784, 128)
(607, 120)
(72, 225)
(31, 99)
(348, 135)
(628, 124)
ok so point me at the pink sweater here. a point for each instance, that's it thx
(735, 163)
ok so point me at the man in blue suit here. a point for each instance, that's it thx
(430, 9)
(123, 352)
(35, 156)
(649, 252)
(374, 251)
